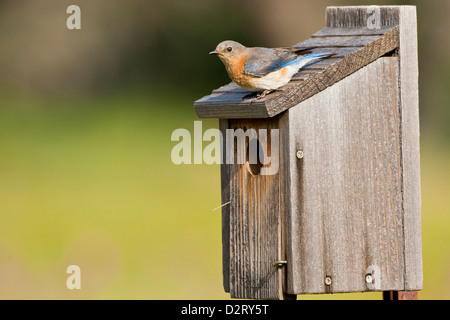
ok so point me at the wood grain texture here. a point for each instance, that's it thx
(341, 41)
(405, 17)
(357, 16)
(229, 105)
(409, 97)
(346, 193)
(351, 31)
(255, 225)
(225, 195)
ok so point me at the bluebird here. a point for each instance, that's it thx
(263, 69)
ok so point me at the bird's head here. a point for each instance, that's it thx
(228, 50)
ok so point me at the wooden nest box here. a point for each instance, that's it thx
(342, 211)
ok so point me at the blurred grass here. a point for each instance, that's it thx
(90, 182)
(435, 175)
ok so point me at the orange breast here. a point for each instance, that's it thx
(235, 69)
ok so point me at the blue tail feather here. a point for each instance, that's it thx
(314, 56)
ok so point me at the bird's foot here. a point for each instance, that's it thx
(255, 96)
(263, 94)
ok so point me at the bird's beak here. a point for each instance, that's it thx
(214, 53)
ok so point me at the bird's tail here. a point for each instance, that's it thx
(313, 58)
(316, 56)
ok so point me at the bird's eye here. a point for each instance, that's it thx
(229, 49)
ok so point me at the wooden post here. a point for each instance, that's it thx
(400, 295)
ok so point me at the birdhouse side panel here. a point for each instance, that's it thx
(345, 225)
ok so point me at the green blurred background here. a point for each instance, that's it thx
(86, 117)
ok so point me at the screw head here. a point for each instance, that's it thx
(328, 281)
(369, 278)
(300, 154)
(279, 264)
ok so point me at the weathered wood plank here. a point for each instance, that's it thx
(255, 224)
(409, 96)
(358, 16)
(225, 195)
(346, 192)
(341, 41)
(285, 200)
(229, 106)
(225, 98)
(351, 31)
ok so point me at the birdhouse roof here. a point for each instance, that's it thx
(347, 33)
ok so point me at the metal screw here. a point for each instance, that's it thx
(328, 281)
(279, 264)
(369, 278)
(300, 154)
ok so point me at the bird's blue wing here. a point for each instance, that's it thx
(262, 61)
